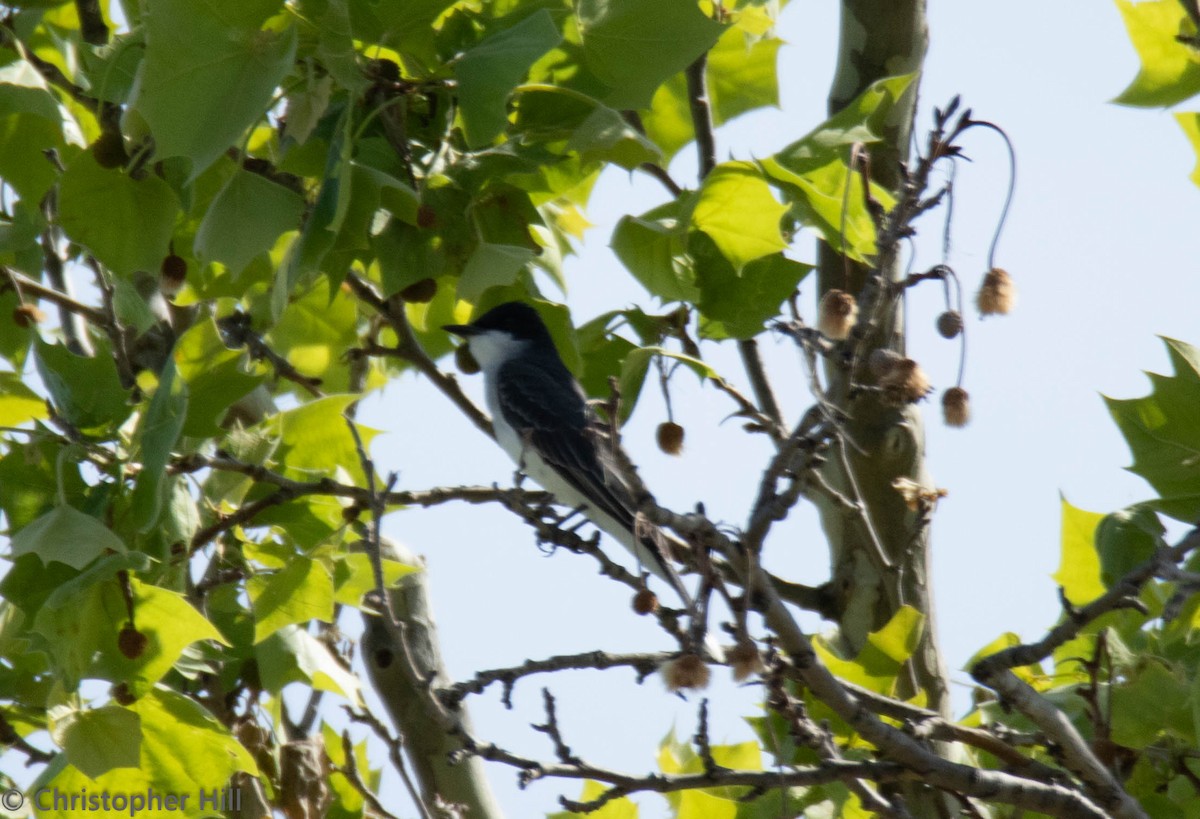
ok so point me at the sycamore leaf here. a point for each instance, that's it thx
(1169, 70)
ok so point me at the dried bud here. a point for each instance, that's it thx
(956, 407)
(905, 382)
(173, 273)
(745, 660)
(686, 671)
(838, 313)
(27, 315)
(645, 602)
(950, 324)
(670, 437)
(131, 642)
(881, 361)
(466, 363)
(421, 292)
(915, 496)
(998, 295)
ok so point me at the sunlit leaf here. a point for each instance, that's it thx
(353, 577)
(300, 592)
(1169, 71)
(1079, 567)
(293, 655)
(736, 209)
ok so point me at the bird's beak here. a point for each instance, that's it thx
(464, 330)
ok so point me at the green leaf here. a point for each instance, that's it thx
(1155, 701)
(100, 739)
(18, 403)
(245, 219)
(879, 662)
(301, 592)
(214, 376)
(126, 223)
(826, 198)
(314, 333)
(170, 624)
(736, 209)
(1126, 539)
(734, 306)
(1079, 567)
(68, 536)
(741, 74)
(293, 655)
(488, 73)
(169, 765)
(1169, 71)
(86, 391)
(1162, 430)
(209, 73)
(315, 436)
(353, 577)
(491, 266)
(157, 435)
(31, 121)
(651, 247)
(864, 120)
(633, 46)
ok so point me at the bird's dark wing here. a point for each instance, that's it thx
(545, 406)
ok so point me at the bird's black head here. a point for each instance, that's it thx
(516, 318)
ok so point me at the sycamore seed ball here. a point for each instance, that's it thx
(838, 312)
(745, 661)
(645, 602)
(670, 437)
(950, 324)
(686, 671)
(998, 295)
(131, 642)
(956, 407)
(27, 315)
(905, 382)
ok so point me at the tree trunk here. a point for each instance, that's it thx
(405, 691)
(880, 38)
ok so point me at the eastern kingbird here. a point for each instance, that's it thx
(542, 420)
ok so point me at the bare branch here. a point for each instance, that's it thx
(644, 664)
(409, 349)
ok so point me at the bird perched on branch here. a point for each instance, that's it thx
(542, 420)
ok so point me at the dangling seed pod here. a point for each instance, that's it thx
(131, 642)
(172, 274)
(905, 383)
(687, 671)
(670, 437)
(950, 324)
(27, 315)
(745, 660)
(998, 295)
(645, 602)
(956, 407)
(838, 312)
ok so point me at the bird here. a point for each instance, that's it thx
(541, 418)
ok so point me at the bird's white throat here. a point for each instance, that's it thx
(491, 348)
